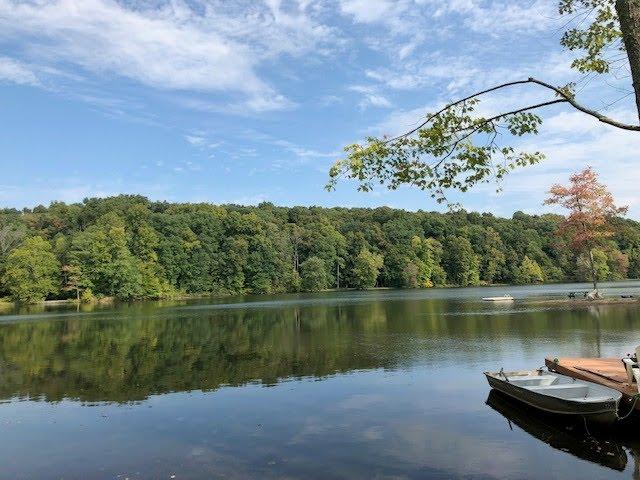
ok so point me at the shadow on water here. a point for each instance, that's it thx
(613, 448)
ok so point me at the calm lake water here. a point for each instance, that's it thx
(384, 385)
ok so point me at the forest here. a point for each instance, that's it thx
(128, 247)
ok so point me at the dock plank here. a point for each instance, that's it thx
(609, 372)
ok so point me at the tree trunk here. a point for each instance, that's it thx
(594, 277)
(629, 16)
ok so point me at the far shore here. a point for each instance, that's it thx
(578, 302)
(582, 302)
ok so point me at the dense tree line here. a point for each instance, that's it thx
(131, 248)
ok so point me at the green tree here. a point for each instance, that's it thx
(73, 280)
(426, 261)
(400, 268)
(438, 274)
(460, 261)
(366, 269)
(596, 267)
(634, 263)
(529, 272)
(324, 241)
(11, 234)
(313, 274)
(489, 246)
(236, 250)
(101, 252)
(31, 271)
(618, 263)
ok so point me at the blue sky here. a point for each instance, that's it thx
(249, 101)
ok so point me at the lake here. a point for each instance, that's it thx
(348, 385)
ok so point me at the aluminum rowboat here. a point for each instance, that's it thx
(556, 393)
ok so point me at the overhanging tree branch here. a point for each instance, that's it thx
(484, 122)
(453, 104)
(456, 147)
(569, 98)
(566, 97)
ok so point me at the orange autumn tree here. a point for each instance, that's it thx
(591, 208)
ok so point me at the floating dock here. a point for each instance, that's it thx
(609, 372)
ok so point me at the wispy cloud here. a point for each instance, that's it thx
(17, 72)
(452, 74)
(195, 140)
(303, 153)
(371, 97)
(502, 17)
(370, 11)
(216, 47)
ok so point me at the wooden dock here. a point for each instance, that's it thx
(609, 372)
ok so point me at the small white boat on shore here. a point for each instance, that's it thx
(503, 298)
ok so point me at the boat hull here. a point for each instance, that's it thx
(599, 411)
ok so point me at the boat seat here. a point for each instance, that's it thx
(533, 380)
(561, 386)
(533, 377)
(601, 398)
(563, 390)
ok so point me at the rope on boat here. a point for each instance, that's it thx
(633, 407)
(586, 428)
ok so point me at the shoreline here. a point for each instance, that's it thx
(582, 302)
(559, 301)
(104, 301)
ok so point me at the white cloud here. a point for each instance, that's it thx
(216, 47)
(371, 97)
(413, 23)
(16, 72)
(497, 17)
(328, 100)
(368, 11)
(303, 153)
(375, 100)
(195, 140)
(454, 74)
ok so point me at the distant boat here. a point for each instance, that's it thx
(556, 393)
(503, 298)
